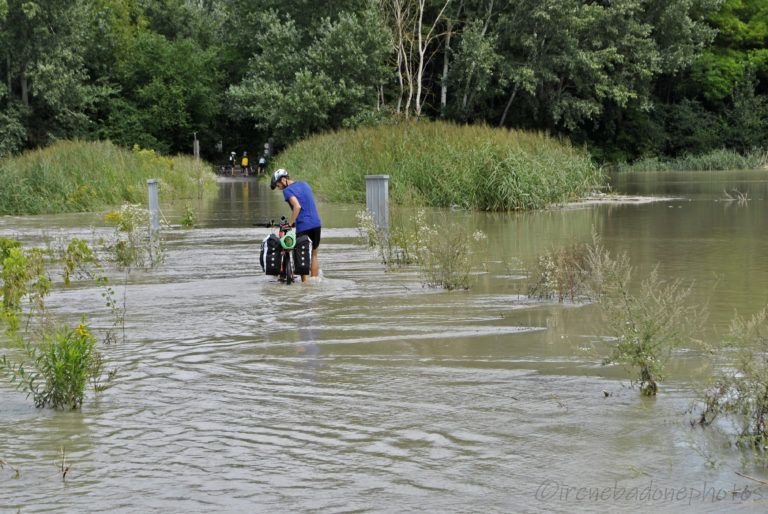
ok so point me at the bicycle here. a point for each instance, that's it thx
(277, 250)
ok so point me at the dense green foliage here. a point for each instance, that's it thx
(81, 176)
(442, 164)
(628, 78)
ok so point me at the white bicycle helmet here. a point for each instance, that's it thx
(276, 176)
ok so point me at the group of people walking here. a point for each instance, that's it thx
(246, 168)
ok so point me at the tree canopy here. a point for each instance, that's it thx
(628, 78)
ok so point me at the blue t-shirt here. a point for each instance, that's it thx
(308, 217)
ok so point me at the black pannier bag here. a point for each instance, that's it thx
(270, 255)
(302, 255)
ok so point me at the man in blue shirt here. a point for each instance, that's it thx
(304, 214)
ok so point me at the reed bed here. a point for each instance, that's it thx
(442, 164)
(78, 176)
(717, 160)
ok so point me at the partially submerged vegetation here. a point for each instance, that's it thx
(443, 255)
(739, 390)
(443, 165)
(78, 176)
(560, 274)
(715, 160)
(49, 358)
(645, 326)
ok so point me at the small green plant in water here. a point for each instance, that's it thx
(397, 246)
(560, 273)
(443, 254)
(23, 275)
(739, 392)
(57, 370)
(56, 361)
(189, 218)
(133, 244)
(646, 325)
(5, 247)
(76, 255)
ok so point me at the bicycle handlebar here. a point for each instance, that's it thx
(272, 224)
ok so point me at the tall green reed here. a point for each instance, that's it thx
(442, 164)
(715, 160)
(76, 176)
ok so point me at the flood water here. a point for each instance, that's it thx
(366, 392)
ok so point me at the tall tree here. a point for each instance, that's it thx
(292, 89)
(43, 46)
(415, 24)
(169, 90)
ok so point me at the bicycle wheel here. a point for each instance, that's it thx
(288, 267)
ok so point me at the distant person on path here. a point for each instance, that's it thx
(244, 164)
(262, 164)
(232, 161)
(304, 213)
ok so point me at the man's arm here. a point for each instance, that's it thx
(295, 208)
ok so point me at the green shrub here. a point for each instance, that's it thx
(5, 247)
(132, 244)
(57, 370)
(442, 164)
(55, 361)
(646, 325)
(560, 273)
(445, 256)
(189, 218)
(397, 246)
(23, 274)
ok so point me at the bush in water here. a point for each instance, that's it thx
(739, 391)
(443, 254)
(56, 370)
(646, 325)
(23, 275)
(56, 361)
(397, 246)
(189, 218)
(132, 245)
(560, 273)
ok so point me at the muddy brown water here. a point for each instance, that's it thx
(365, 391)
